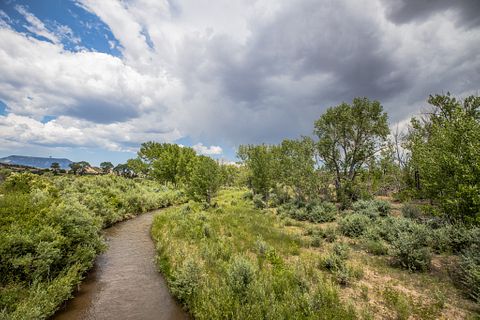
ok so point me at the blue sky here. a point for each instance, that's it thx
(92, 80)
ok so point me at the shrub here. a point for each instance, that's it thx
(366, 208)
(240, 275)
(399, 302)
(335, 262)
(411, 211)
(409, 249)
(329, 233)
(354, 225)
(186, 280)
(323, 212)
(377, 248)
(318, 212)
(383, 207)
(463, 237)
(316, 241)
(258, 202)
(470, 272)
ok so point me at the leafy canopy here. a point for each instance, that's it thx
(348, 136)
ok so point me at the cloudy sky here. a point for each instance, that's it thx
(91, 80)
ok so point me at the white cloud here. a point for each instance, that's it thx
(36, 25)
(212, 150)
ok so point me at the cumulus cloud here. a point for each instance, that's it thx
(230, 72)
(212, 150)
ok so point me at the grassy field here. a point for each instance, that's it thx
(238, 262)
(50, 234)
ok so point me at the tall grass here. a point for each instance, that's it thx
(235, 262)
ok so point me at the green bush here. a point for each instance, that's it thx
(412, 211)
(384, 207)
(240, 275)
(335, 262)
(258, 202)
(317, 212)
(323, 212)
(354, 225)
(470, 272)
(186, 280)
(410, 251)
(372, 208)
(378, 248)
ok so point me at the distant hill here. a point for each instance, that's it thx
(37, 162)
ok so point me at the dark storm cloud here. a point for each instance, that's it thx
(102, 110)
(404, 11)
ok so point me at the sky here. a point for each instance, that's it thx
(92, 80)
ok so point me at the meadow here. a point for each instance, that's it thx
(236, 261)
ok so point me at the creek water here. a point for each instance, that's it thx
(124, 283)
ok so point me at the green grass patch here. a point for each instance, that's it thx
(237, 262)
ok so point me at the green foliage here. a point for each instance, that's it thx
(296, 166)
(260, 162)
(258, 202)
(106, 166)
(335, 262)
(470, 271)
(186, 280)
(445, 148)
(349, 136)
(376, 247)
(204, 178)
(372, 208)
(412, 211)
(240, 275)
(410, 250)
(354, 225)
(318, 212)
(50, 231)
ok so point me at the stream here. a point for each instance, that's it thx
(124, 283)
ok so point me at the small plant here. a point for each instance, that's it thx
(240, 275)
(377, 248)
(329, 234)
(316, 241)
(354, 225)
(335, 262)
(412, 211)
(399, 302)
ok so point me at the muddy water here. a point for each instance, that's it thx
(124, 283)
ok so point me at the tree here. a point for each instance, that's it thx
(167, 162)
(445, 156)
(83, 165)
(75, 167)
(139, 167)
(55, 166)
(123, 170)
(106, 166)
(350, 135)
(204, 178)
(297, 166)
(260, 161)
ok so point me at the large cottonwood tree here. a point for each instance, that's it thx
(348, 136)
